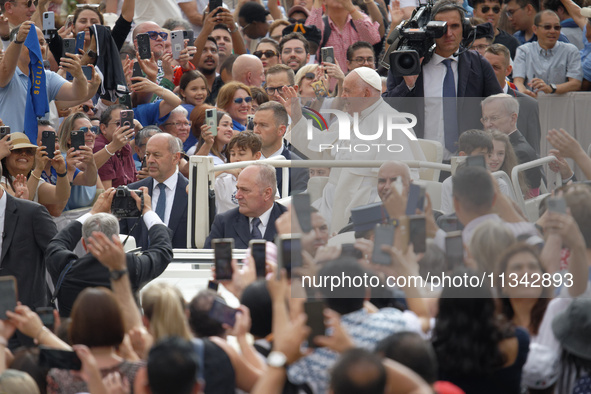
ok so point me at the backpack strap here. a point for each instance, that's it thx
(328, 30)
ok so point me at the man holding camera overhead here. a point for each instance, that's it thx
(451, 72)
(71, 275)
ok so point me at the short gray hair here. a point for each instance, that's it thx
(180, 110)
(144, 135)
(267, 176)
(171, 23)
(509, 102)
(175, 144)
(103, 223)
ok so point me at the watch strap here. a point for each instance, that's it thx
(117, 274)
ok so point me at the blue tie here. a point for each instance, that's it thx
(450, 114)
(256, 233)
(161, 205)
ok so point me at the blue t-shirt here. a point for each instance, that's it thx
(13, 97)
(149, 114)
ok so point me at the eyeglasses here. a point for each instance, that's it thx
(362, 60)
(178, 124)
(86, 108)
(271, 91)
(26, 151)
(550, 27)
(268, 53)
(239, 100)
(486, 9)
(309, 76)
(511, 12)
(117, 123)
(28, 4)
(298, 51)
(492, 119)
(294, 21)
(481, 47)
(154, 35)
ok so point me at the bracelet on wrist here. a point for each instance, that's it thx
(61, 175)
(110, 154)
(35, 176)
(234, 30)
(19, 42)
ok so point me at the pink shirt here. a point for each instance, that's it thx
(342, 39)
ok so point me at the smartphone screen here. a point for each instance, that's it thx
(61, 359)
(556, 204)
(476, 161)
(384, 235)
(213, 285)
(301, 204)
(46, 315)
(222, 313)
(454, 250)
(8, 295)
(315, 311)
(48, 141)
(87, 70)
(222, 249)
(290, 253)
(416, 199)
(417, 233)
(258, 251)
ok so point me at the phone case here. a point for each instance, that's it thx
(48, 141)
(211, 120)
(178, 43)
(79, 42)
(137, 70)
(77, 139)
(69, 46)
(87, 70)
(143, 46)
(127, 118)
(327, 55)
(48, 21)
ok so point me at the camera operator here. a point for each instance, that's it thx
(451, 72)
(71, 274)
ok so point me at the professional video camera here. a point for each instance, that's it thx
(412, 40)
(123, 205)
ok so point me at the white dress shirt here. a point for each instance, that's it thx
(278, 153)
(170, 184)
(433, 76)
(264, 221)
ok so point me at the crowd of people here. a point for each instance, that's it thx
(102, 103)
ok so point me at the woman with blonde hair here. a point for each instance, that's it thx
(224, 369)
(488, 239)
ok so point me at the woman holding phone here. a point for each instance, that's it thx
(214, 145)
(235, 99)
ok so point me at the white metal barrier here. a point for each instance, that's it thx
(202, 180)
(530, 206)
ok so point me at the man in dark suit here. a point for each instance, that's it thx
(255, 217)
(447, 75)
(500, 112)
(270, 123)
(528, 121)
(162, 158)
(71, 274)
(27, 229)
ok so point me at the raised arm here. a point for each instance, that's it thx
(77, 89)
(169, 100)
(12, 54)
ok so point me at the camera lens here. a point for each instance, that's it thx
(406, 62)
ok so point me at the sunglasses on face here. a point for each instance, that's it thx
(28, 4)
(239, 100)
(550, 27)
(154, 35)
(309, 75)
(294, 21)
(486, 9)
(86, 108)
(268, 53)
(26, 151)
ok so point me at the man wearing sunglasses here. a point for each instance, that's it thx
(521, 14)
(158, 37)
(18, 11)
(547, 65)
(490, 11)
(571, 28)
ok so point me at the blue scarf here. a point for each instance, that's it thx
(37, 104)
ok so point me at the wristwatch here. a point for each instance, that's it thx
(553, 87)
(117, 274)
(277, 359)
